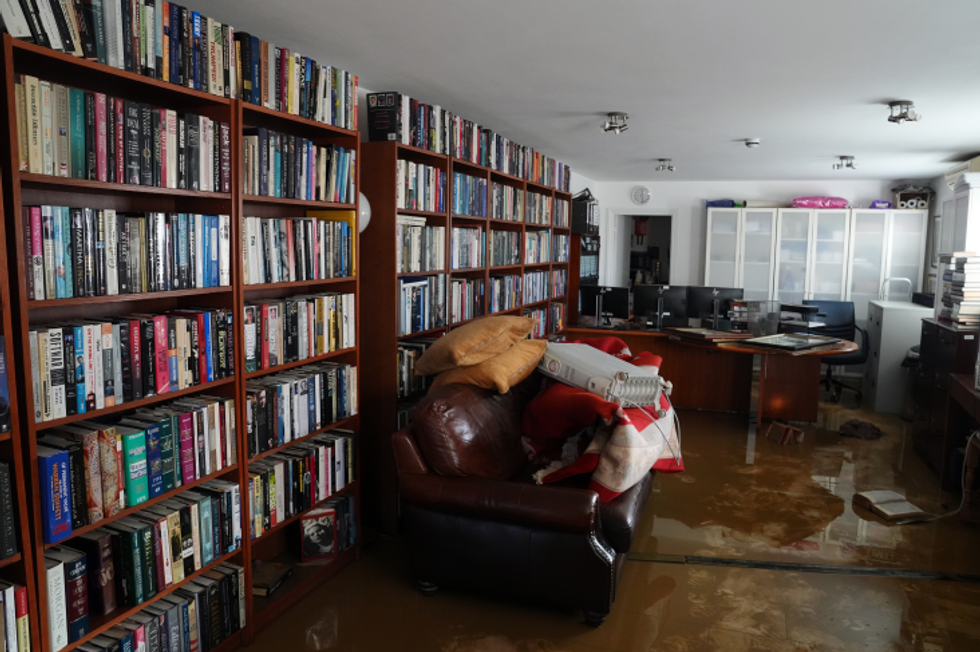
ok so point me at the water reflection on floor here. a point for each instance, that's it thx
(765, 503)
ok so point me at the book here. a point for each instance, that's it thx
(319, 531)
(8, 530)
(97, 545)
(267, 576)
(76, 589)
(55, 496)
(889, 505)
(4, 388)
(54, 573)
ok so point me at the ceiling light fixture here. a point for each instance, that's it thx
(665, 164)
(903, 111)
(616, 123)
(845, 162)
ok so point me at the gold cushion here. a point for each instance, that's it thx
(473, 343)
(502, 371)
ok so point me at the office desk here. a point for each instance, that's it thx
(711, 377)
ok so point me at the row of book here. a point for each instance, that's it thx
(506, 202)
(283, 165)
(165, 41)
(290, 249)
(560, 246)
(294, 480)
(91, 471)
(77, 367)
(67, 132)
(559, 282)
(505, 292)
(537, 247)
(329, 529)
(290, 405)
(419, 247)
(130, 562)
(562, 214)
(469, 195)
(394, 116)
(539, 208)
(505, 247)
(419, 187)
(465, 299)
(88, 252)
(15, 623)
(409, 351)
(466, 248)
(421, 303)
(556, 322)
(536, 286)
(540, 317)
(297, 328)
(960, 294)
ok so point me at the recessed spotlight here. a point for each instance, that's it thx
(616, 123)
(752, 143)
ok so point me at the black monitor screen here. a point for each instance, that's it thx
(701, 300)
(672, 310)
(615, 301)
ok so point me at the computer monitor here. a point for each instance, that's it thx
(604, 303)
(661, 305)
(711, 302)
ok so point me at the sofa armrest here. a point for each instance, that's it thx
(555, 508)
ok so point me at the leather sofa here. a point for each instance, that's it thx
(477, 521)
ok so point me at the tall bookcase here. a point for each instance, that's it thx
(24, 189)
(380, 325)
(18, 569)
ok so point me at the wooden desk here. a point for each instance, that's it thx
(711, 377)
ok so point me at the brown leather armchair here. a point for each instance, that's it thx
(476, 520)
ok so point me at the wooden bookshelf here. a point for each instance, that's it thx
(20, 313)
(20, 568)
(380, 321)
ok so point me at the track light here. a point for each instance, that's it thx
(903, 111)
(845, 162)
(616, 123)
(664, 165)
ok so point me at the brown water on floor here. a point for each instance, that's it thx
(742, 498)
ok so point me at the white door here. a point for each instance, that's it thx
(721, 257)
(828, 255)
(758, 231)
(906, 252)
(867, 259)
(792, 252)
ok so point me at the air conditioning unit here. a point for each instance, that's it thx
(954, 173)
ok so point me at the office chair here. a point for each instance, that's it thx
(838, 319)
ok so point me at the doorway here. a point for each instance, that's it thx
(649, 253)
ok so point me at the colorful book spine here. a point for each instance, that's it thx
(55, 496)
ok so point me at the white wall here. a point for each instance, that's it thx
(684, 200)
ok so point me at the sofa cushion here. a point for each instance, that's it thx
(499, 372)
(473, 343)
(467, 430)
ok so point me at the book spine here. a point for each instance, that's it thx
(8, 534)
(76, 589)
(55, 501)
(57, 606)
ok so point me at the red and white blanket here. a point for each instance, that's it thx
(572, 432)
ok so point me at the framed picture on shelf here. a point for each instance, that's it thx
(319, 531)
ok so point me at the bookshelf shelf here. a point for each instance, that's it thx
(126, 298)
(304, 579)
(308, 203)
(100, 623)
(295, 517)
(413, 274)
(381, 179)
(46, 181)
(123, 513)
(297, 285)
(343, 423)
(300, 363)
(18, 314)
(132, 405)
(428, 214)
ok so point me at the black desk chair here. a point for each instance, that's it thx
(838, 319)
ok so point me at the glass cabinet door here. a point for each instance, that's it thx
(792, 249)
(867, 259)
(829, 255)
(722, 247)
(906, 252)
(757, 235)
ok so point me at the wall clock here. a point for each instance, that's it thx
(640, 195)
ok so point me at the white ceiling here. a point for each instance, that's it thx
(811, 79)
